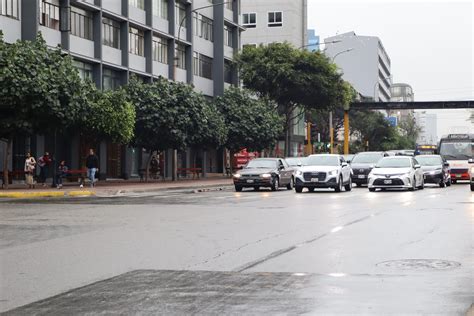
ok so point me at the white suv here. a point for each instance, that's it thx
(324, 171)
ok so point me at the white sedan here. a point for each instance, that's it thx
(396, 172)
(324, 171)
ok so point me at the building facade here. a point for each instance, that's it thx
(428, 124)
(364, 63)
(313, 41)
(402, 92)
(111, 40)
(278, 21)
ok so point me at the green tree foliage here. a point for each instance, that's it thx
(105, 115)
(372, 127)
(252, 123)
(409, 131)
(293, 78)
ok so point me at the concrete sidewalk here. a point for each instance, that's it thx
(114, 187)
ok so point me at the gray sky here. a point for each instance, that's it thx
(430, 44)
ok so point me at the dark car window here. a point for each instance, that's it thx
(429, 160)
(367, 158)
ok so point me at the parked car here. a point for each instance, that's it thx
(324, 171)
(435, 169)
(264, 172)
(363, 163)
(471, 174)
(396, 172)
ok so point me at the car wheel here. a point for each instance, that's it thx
(372, 189)
(238, 188)
(275, 184)
(472, 186)
(453, 181)
(448, 184)
(298, 189)
(348, 186)
(290, 184)
(442, 184)
(413, 185)
(422, 186)
(256, 188)
(339, 185)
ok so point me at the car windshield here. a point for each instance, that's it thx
(261, 163)
(429, 161)
(461, 150)
(322, 161)
(394, 163)
(296, 160)
(367, 158)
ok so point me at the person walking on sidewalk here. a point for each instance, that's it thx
(92, 164)
(44, 162)
(30, 165)
(62, 173)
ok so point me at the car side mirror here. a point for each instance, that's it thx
(446, 164)
(470, 160)
(299, 164)
(281, 167)
(344, 164)
(348, 162)
(417, 166)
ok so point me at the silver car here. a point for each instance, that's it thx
(396, 172)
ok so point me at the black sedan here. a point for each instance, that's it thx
(435, 169)
(264, 172)
(363, 163)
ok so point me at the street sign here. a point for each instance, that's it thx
(392, 120)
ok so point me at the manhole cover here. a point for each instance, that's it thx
(420, 264)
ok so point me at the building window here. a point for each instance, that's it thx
(202, 66)
(81, 23)
(140, 4)
(203, 27)
(137, 39)
(85, 69)
(180, 10)
(49, 15)
(228, 36)
(228, 71)
(228, 5)
(275, 19)
(9, 8)
(180, 56)
(111, 32)
(110, 79)
(160, 49)
(249, 20)
(160, 8)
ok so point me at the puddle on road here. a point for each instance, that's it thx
(420, 264)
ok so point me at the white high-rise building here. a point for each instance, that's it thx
(364, 63)
(428, 124)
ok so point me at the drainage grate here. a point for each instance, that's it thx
(420, 264)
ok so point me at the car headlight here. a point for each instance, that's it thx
(237, 175)
(299, 172)
(265, 175)
(472, 170)
(332, 173)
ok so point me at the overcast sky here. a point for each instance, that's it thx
(430, 44)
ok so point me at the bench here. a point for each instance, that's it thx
(12, 174)
(154, 174)
(72, 174)
(186, 171)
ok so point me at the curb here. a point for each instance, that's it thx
(192, 189)
(26, 195)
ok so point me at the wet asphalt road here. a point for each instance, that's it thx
(241, 253)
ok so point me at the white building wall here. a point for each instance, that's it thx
(293, 30)
(11, 29)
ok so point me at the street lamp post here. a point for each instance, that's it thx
(346, 118)
(174, 160)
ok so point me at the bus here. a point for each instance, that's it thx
(426, 150)
(457, 149)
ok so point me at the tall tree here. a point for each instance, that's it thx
(296, 80)
(39, 91)
(252, 123)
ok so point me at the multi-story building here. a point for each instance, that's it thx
(313, 41)
(110, 40)
(428, 124)
(278, 21)
(364, 63)
(402, 92)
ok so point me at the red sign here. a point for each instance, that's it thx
(243, 157)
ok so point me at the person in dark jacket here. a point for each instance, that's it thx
(62, 173)
(44, 162)
(92, 164)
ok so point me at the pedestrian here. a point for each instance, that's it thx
(30, 165)
(92, 164)
(62, 173)
(44, 162)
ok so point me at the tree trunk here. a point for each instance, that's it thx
(5, 161)
(288, 126)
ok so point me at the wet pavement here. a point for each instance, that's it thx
(223, 252)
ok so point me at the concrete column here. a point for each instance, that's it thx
(218, 61)
(65, 23)
(29, 19)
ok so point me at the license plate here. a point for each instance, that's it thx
(361, 176)
(250, 181)
(459, 176)
(314, 180)
(387, 181)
